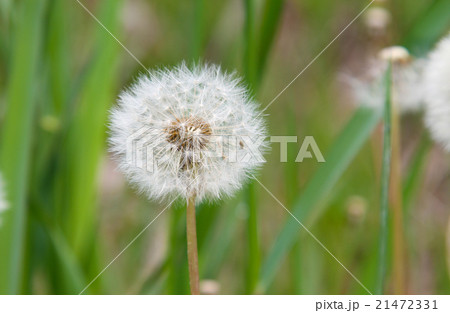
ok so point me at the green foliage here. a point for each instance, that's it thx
(16, 140)
(311, 200)
(70, 214)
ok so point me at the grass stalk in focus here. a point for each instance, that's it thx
(396, 200)
(385, 182)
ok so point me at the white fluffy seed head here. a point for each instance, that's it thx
(3, 202)
(187, 132)
(395, 54)
(437, 93)
(407, 91)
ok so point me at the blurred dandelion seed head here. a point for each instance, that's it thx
(437, 93)
(377, 20)
(180, 125)
(407, 73)
(395, 54)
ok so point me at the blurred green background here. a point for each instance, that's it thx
(71, 212)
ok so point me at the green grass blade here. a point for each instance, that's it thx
(256, 49)
(253, 251)
(429, 27)
(198, 37)
(249, 43)
(17, 138)
(270, 21)
(71, 275)
(59, 55)
(87, 135)
(219, 239)
(342, 152)
(177, 279)
(292, 186)
(415, 172)
(385, 182)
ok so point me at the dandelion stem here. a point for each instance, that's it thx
(191, 232)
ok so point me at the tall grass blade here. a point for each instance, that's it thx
(198, 37)
(219, 239)
(429, 27)
(87, 135)
(292, 187)
(177, 279)
(253, 251)
(59, 56)
(256, 48)
(16, 139)
(270, 20)
(71, 275)
(249, 43)
(385, 181)
(415, 172)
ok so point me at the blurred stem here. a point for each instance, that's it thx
(385, 177)
(192, 253)
(396, 200)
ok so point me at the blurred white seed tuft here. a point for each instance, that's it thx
(180, 116)
(377, 20)
(395, 54)
(407, 91)
(437, 93)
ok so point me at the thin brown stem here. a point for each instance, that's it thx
(191, 232)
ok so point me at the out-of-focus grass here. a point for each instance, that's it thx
(258, 38)
(429, 27)
(309, 201)
(86, 137)
(16, 140)
(60, 72)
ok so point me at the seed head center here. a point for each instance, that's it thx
(188, 133)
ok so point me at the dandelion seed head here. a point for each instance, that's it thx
(407, 74)
(437, 93)
(188, 121)
(395, 54)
